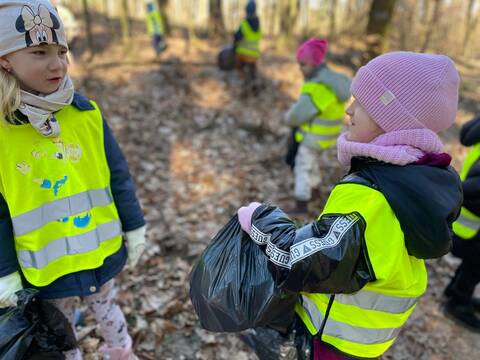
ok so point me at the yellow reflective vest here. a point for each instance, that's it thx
(366, 323)
(327, 125)
(250, 44)
(468, 224)
(154, 23)
(58, 194)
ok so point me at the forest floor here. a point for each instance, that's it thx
(198, 150)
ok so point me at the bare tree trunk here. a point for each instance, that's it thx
(408, 24)
(216, 24)
(425, 8)
(88, 29)
(470, 25)
(272, 19)
(333, 16)
(105, 8)
(124, 22)
(307, 17)
(349, 11)
(289, 10)
(191, 37)
(434, 18)
(379, 19)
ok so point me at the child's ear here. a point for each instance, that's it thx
(5, 64)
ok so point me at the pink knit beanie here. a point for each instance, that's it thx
(312, 51)
(407, 90)
(411, 96)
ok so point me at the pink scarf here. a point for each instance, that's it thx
(399, 147)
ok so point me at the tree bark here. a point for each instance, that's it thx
(124, 22)
(216, 24)
(379, 20)
(289, 10)
(431, 24)
(470, 25)
(333, 18)
(88, 29)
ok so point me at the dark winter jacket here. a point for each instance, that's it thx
(469, 136)
(131, 216)
(425, 200)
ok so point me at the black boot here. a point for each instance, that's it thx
(476, 304)
(464, 314)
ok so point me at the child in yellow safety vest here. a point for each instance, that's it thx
(247, 46)
(155, 28)
(316, 117)
(462, 305)
(67, 200)
(359, 269)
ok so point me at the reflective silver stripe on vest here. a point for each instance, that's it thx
(324, 122)
(249, 45)
(317, 137)
(71, 245)
(470, 223)
(373, 301)
(357, 334)
(59, 209)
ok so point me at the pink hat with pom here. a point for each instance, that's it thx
(312, 51)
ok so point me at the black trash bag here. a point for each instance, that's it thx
(232, 289)
(269, 344)
(35, 329)
(226, 58)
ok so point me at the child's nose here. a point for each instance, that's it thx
(55, 64)
(349, 111)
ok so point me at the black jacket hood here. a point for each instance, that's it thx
(425, 199)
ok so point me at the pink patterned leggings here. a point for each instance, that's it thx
(107, 313)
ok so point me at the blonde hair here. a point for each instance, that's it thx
(9, 96)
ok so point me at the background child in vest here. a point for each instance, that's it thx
(461, 303)
(394, 209)
(34, 88)
(246, 64)
(155, 27)
(308, 109)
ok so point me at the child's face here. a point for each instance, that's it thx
(306, 69)
(39, 69)
(362, 128)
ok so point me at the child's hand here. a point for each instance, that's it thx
(137, 243)
(245, 216)
(9, 285)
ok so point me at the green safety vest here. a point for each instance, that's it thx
(250, 44)
(468, 224)
(366, 323)
(58, 194)
(327, 125)
(154, 23)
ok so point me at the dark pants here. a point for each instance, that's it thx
(292, 148)
(247, 68)
(467, 276)
(158, 43)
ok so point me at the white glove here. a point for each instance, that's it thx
(9, 285)
(136, 243)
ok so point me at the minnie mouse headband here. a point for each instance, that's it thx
(29, 23)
